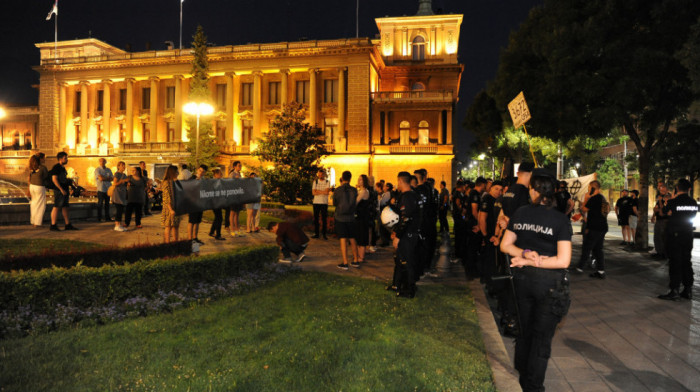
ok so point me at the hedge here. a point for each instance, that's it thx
(94, 257)
(84, 287)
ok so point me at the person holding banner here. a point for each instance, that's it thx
(170, 221)
(235, 208)
(252, 212)
(215, 230)
(538, 240)
(195, 218)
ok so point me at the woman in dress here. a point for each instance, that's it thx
(37, 192)
(362, 217)
(119, 195)
(171, 222)
(135, 196)
(538, 239)
(252, 209)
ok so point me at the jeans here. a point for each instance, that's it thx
(118, 214)
(593, 241)
(660, 236)
(442, 214)
(102, 204)
(322, 210)
(289, 247)
(543, 299)
(680, 268)
(135, 208)
(216, 225)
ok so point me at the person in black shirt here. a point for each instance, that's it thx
(460, 229)
(473, 266)
(426, 248)
(564, 202)
(681, 210)
(444, 206)
(596, 208)
(622, 211)
(634, 205)
(59, 178)
(660, 220)
(538, 239)
(489, 209)
(405, 238)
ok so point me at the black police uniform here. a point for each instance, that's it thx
(460, 224)
(492, 207)
(542, 294)
(679, 241)
(426, 247)
(407, 231)
(475, 239)
(562, 198)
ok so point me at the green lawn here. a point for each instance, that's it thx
(39, 246)
(243, 216)
(308, 332)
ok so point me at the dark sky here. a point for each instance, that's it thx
(485, 30)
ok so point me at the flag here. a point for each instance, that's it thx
(54, 10)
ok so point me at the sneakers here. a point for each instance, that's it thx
(579, 270)
(672, 295)
(300, 258)
(343, 267)
(315, 236)
(285, 260)
(219, 238)
(372, 249)
(120, 228)
(54, 228)
(355, 264)
(598, 275)
(71, 227)
(687, 293)
(196, 240)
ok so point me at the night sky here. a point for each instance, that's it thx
(485, 30)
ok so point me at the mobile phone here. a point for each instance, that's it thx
(592, 191)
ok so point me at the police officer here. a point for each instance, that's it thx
(458, 221)
(538, 239)
(489, 210)
(475, 238)
(426, 248)
(681, 210)
(405, 238)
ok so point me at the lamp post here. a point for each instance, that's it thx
(197, 109)
(3, 114)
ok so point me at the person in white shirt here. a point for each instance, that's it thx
(320, 190)
(185, 174)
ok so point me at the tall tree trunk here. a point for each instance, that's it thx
(641, 238)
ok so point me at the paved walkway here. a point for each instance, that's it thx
(617, 336)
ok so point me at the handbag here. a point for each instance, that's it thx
(110, 190)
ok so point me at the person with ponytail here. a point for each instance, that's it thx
(538, 240)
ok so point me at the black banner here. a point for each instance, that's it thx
(201, 195)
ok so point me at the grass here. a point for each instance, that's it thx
(308, 332)
(39, 246)
(243, 216)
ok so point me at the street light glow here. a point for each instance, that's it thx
(2, 112)
(198, 109)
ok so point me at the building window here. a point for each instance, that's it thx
(330, 91)
(170, 97)
(146, 98)
(404, 133)
(418, 48)
(78, 101)
(303, 91)
(122, 99)
(77, 134)
(220, 132)
(221, 96)
(423, 133)
(247, 131)
(146, 132)
(100, 100)
(246, 94)
(171, 131)
(122, 133)
(273, 95)
(100, 135)
(330, 129)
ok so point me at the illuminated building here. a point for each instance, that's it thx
(384, 104)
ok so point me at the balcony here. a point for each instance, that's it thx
(152, 147)
(16, 153)
(413, 149)
(235, 150)
(443, 96)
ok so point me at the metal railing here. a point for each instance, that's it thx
(235, 149)
(15, 153)
(426, 95)
(152, 147)
(413, 149)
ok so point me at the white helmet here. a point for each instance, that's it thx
(389, 217)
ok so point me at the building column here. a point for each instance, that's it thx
(441, 126)
(285, 87)
(449, 127)
(178, 108)
(405, 43)
(230, 114)
(386, 127)
(313, 97)
(84, 126)
(257, 104)
(341, 101)
(237, 127)
(107, 110)
(159, 134)
(61, 115)
(129, 117)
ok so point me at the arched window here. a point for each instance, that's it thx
(27, 145)
(418, 48)
(404, 133)
(418, 86)
(423, 133)
(16, 140)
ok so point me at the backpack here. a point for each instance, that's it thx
(48, 181)
(605, 207)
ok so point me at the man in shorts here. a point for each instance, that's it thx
(345, 202)
(61, 193)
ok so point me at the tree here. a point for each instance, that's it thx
(589, 66)
(682, 146)
(611, 174)
(199, 92)
(295, 149)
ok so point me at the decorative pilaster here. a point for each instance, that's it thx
(84, 125)
(449, 126)
(178, 108)
(230, 114)
(285, 87)
(441, 126)
(159, 133)
(61, 115)
(341, 100)
(107, 112)
(257, 104)
(313, 97)
(129, 117)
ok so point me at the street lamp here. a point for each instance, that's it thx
(197, 109)
(3, 114)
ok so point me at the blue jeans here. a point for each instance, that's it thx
(593, 242)
(102, 204)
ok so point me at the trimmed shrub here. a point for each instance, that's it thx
(94, 257)
(85, 287)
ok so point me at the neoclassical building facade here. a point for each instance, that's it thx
(384, 104)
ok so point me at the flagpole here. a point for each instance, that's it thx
(357, 19)
(181, 1)
(55, 35)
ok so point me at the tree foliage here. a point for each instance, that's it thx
(611, 174)
(587, 67)
(295, 148)
(199, 92)
(679, 154)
